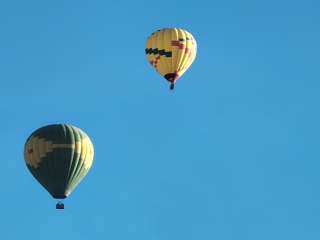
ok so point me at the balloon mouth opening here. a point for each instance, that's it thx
(60, 196)
(171, 77)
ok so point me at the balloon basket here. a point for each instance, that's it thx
(59, 205)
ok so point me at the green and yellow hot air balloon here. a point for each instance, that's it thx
(59, 156)
(171, 51)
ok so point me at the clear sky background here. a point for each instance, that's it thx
(233, 153)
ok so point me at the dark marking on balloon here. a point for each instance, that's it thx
(156, 51)
(155, 62)
(178, 44)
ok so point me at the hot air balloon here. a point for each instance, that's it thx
(171, 51)
(58, 156)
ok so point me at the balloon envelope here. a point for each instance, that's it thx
(58, 156)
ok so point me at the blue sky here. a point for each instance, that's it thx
(231, 154)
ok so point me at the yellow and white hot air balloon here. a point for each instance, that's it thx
(171, 51)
